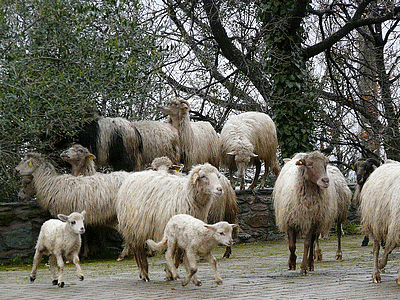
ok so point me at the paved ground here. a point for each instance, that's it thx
(254, 271)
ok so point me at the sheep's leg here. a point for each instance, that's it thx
(383, 261)
(124, 253)
(213, 263)
(318, 251)
(231, 178)
(264, 176)
(191, 268)
(75, 260)
(60, 264)
(36, 260)
(228, 252)
(308, 257)
(52, 264)
(292, 247)
(339, 254)
(257, 174)
(141, 261)
(376, 277)
(365, 241)
(171, 257)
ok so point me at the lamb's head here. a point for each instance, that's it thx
(364, 168)
(75, 221)
(77, 154)
(222, 232)
(205, 180)
(164, 164)
(29, 164)
(314, 168)
(176, 108)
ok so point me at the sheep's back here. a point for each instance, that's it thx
(145, 203)
(380, 203)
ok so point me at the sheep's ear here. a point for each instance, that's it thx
(210, 227)
(286, 160)
(233, 153)
(195, 177)
(92, 157)
(352, 167)
(62, 217)
(30, 164)
(300, 162)
(254, 155)
(233, 225)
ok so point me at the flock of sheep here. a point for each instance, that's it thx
(155, 206)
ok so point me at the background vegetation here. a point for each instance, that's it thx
(326, 71)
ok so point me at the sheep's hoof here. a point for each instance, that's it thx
(120, 258)
(398, 281)
(198, 283)
(61, 284)
(376, 278)
(32, 279)
(55, 282)
(81, 278)
(365, 242)
(339, 257)
(219, 281)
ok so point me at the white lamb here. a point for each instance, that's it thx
(196, 238)
(59, 238)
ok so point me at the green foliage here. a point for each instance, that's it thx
(64, 62)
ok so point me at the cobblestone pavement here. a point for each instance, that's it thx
(256, 270)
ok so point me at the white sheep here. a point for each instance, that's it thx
(199, 143)
(194, 237)
(224, 208)
(249, 139)
(81, 160)
(58, 238)
(159, 139)
(148, 199)
(67, 193)
(380, 212)
(306, 202)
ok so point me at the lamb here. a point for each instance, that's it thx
(194, 237)
(96, 194)
(148, 199)
(380, 212)
(58, 238)
(199, 143)
(249, 139)
(81, 160)
(224, 208)
(159, 139)
(306, 202)
(363, 168)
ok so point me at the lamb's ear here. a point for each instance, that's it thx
(211, 227)
(233, 225)
(62, 217)
(83, 213)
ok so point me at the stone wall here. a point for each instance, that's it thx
(20, 226)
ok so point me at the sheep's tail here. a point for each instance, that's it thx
(157, 246)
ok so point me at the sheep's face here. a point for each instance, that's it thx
(222, 232)
(206, 180)
(242, 161)
(28, 164)
(75, 221)
(314, 169)
(364, 168)
(76, 154)
(176, 108)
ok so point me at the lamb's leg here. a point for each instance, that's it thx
(213, 263)
(292, 247)
(376, 277)
(52, 264)
(228, 252)
(257, 174)
(191, 268)
(339, 254)
(171, 257)
(36, 260)
(60, 264)
(75, 260)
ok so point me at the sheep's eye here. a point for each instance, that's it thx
(73, 222)
(221, 233)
